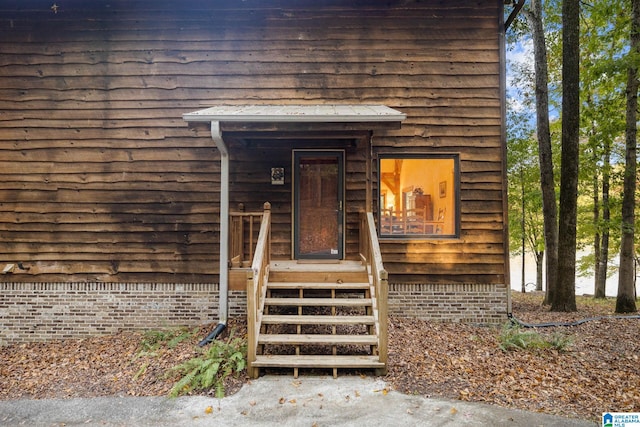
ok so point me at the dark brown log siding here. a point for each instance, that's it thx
(100, 179)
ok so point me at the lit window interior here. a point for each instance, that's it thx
(417, 196)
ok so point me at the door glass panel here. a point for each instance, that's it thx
(319, 206)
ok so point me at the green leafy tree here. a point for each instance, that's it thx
(534, 16)
(526, 227)
(626, 299)
(595, 129)
(565, 296)
(604, 38)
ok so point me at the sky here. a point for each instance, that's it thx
(519, 56)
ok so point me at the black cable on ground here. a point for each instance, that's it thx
(522, 324)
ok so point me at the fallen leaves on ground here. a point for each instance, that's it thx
(111, 365)
(598, 372)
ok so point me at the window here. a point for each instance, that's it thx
(418, 195)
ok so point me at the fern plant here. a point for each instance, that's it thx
(153, 340)
(560, 341)
(212, 367)
(514, 338)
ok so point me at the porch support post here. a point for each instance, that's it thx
(216, 135)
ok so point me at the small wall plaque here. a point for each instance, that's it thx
(277, 176)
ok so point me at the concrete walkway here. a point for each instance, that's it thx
(276, 401)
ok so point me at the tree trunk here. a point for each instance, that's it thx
(539, 263)
(625, 302)
(523, 229)
(565, 296)
(547, 182)
(602, 257)
(596, 236)
(596, 224)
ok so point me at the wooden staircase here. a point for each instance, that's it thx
(318, 316)
(315, 315)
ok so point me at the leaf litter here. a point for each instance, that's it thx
(598, 371)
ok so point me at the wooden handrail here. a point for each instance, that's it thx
(257, 278)
(372, 258)
(242, 226)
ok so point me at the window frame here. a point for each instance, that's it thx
(455, 194)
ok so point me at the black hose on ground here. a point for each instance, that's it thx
(522, 324)
(213, 334)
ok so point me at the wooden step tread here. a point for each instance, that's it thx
(302, 339)
(318, 285)
(312, 302)
(313, 361)
(274, 319)
(318, 267)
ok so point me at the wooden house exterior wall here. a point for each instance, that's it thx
(102, 180)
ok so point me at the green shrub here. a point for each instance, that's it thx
(515, 338)
(559, 341)
(152, 340)
(212, 367)
(181, 335)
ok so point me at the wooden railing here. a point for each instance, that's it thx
(257, 279)
(378, 276)
(243, 227)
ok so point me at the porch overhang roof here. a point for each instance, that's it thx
(319, 113)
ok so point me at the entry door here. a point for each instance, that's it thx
(318, 204)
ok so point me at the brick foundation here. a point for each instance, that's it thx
(44, 311)
(465, 303)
